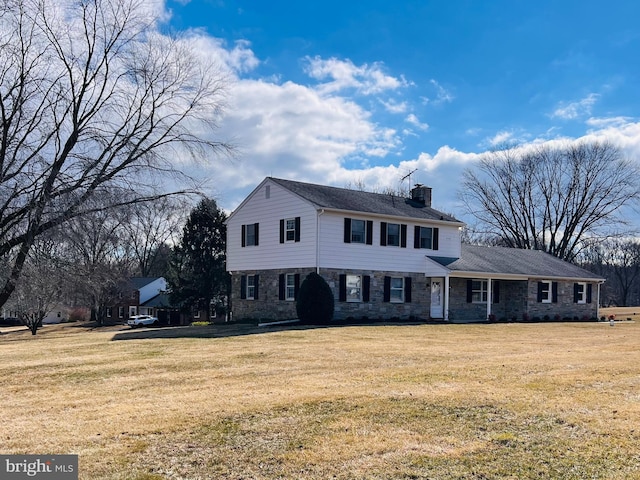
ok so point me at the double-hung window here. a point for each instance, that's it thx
(251, 287)
(290, 230)
(479, 291)
(250, 234)
(354, 288)
(393, 234)
(547, 291)
(397, 290)
(358, 231)
(426, 237)
(290, 287)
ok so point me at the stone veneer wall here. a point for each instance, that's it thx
(269, 307)
(518, 300)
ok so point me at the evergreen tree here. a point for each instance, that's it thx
(197, 274)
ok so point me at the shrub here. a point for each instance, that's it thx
(315, 302)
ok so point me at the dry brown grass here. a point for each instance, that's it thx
(367, 402)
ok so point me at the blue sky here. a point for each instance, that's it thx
(364, 92)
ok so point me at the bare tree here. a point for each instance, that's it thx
(92, 97)
(40, 285)
(95, 255)
(149, 227)
(556, 199)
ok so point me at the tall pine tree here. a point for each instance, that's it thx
(197, 275)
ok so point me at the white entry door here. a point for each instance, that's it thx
(437, 305)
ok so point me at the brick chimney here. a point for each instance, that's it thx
(421, 194)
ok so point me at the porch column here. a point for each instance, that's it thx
(489, 297)
(446, 298)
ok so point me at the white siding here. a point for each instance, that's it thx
(267, 211)
(334, 253)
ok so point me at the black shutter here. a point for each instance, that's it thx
(416, 237)
(403, 236)
(366, 288)
(281, 286)
(435, 240)
(383, 233)
(589, 293)
(554, 292)
(496, 291)
(243, 286)
(282, 231)
(256, 279)
(369, 232)
(407, 289)
(342, 291)
(575, 292)
(256, 230)
(296, 286)
(469, 291)
(540, 287)
(244, 236)
(297, 235)
(387, 290)
(347, 230)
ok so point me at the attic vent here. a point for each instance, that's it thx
(421, 194)
(267, 191)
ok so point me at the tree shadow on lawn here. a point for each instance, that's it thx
(222, 330)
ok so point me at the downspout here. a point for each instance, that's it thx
(489, 298)
(321, 211)
(446, 298)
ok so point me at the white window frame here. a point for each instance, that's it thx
(290, 287)
(196, 314)
(582, 293)
(546, 292)
(396, 290)
(120, 312)
(423, 238)
(289, 229)
(133, 310)
(251, 287)
(354, 288)
(395, 237)
(479, 290)
(355, 239)
(108, 312)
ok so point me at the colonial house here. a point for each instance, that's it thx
(386, 256)
(143, 296)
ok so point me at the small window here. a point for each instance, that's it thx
(545, 291)
(354, 288)
(397, 290)
(426, 237)
(580, 292)
(196, 313)
(290, 229)
(251, 287)
(250, 234)
(107, 312)
(290, 288)
(393, 234)
(358, 231)
(479, 291)
(133, 310)
(120, 312)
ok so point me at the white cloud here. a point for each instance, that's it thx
(577, 109)
(344, 74)
(500, 138)
(608, 122)
(392, 106)
(413, 120)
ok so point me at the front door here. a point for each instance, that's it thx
(437, 306)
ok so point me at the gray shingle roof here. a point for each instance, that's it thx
(513, 261)
(358, 201)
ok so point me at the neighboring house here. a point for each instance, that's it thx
(386, 256)
(143, 296)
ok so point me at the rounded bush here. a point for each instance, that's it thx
(314, 304)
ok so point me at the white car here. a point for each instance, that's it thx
(142, 320)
